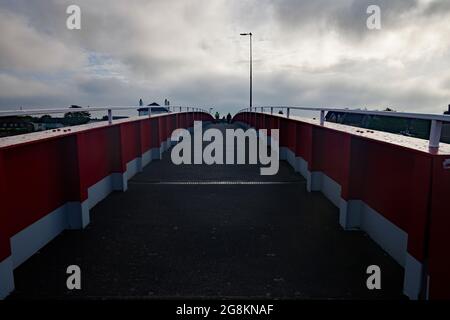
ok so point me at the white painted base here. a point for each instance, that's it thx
(6, 277)
(356, 214)
(116, 181)
(132, 168)
(283, 153)
(78, 214)
(28, 241)
(412, 283)
(146, 158)
(318, 181)
(290, 157)
(156, 154)
(161, 150)
(301, 166)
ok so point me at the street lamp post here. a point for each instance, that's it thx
(251, 68)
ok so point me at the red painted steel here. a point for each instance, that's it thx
(397, 176)
(43, 171)
(98, 154)
(39, 180)
(145, 136)
(130, 141)
(439, 258)
(303, 145)
(5, 250)
(330, 154)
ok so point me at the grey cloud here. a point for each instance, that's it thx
(347, 17)
(191, 53)
(24, 48)
(438, 8)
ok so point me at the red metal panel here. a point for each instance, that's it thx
(275, 122)
(331, 154)
(177, 121)
(190, 120)
(42, 175)
(259, 122)
(167, 131)
(99, 154)
(267, 124)
(172, 126)
(130, 141)
(303, 145)
(439, 258)
(162, 129)
(39, 179)
(184, 120)
(5, 249)
(145, 134)
(292, 136)
(154, 125)
(395, 182)
(284, 132)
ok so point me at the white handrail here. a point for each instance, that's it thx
(109, 110)
(410, 115)
(436, 119)
(25, 112)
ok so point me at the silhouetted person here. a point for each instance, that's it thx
(217, 116)
(229, 118)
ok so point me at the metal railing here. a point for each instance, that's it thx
(109, 110)
(437, 120)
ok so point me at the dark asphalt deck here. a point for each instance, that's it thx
(211, 240)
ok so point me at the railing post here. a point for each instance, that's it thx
(435, 134)
(110, 116)
(322, 117)
(271, 110)
(288, 111)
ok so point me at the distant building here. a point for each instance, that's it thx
(448, 111)
(15, 125)
(152, 108)
(143, 111)
(47, 122)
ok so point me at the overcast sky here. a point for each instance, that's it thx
(310, 53)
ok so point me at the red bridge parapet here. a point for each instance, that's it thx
(395, 188)
(50, 180)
